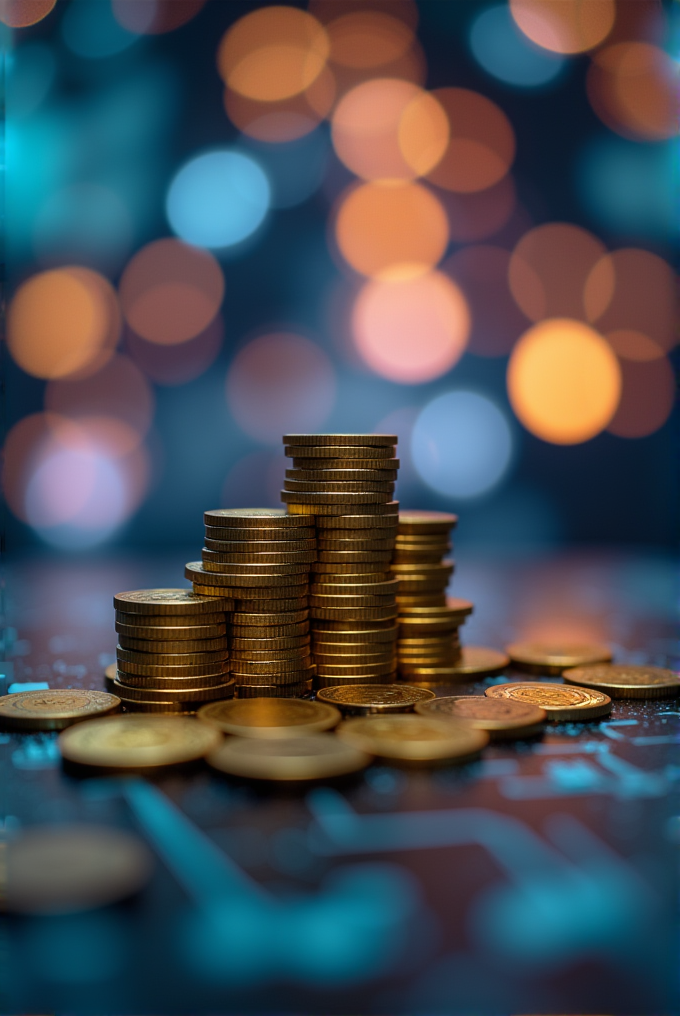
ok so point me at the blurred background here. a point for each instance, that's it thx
(454, 219)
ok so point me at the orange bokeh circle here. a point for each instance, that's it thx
(273, 53)
(647, 397)
(291, 118)
(391, 230)
(368, 38)
(144, 18)
(22, 13)
(565, 26)
(411, 331)
(564, 381)
(633, 88)
(481, 147)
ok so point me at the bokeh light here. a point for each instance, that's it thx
(565, 26)
(155, 17)
(633, 88)
(280, 382)
(411, 331)
(119, 390)
(391, 230)
(481, 271)
(257, 478)
(22, 13)
(368, 38)
(85, 223)
(508, 54)
(647, 396)
(389, 129)
(91, 31)
(218, 199)
(564, 381)
(273, 53)
(461, 444)
(477, 216)
(170, 291)
(63, 322)
(481, 147)
(633, 290)
(549, 269)
(178, 364)
(31, 70)
(286, 120)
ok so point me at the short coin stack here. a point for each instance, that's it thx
(428, 622)
(346, 482)
(260, 558)
(172, 652)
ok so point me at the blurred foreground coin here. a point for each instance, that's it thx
(317, 757)
(54, 709)
(138, 742)
(561, 702)
(547, 658)
(270, 717)
(414, 738)
(501, 718)
(627, 680)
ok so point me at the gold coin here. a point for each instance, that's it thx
(560, 702)
(168, 602)
(298, 508)
(252, 518)
(417, 521)
(426, 641)
(334, 681)
(283, 606)
(439, 600)
(406, 570)
(287, 642)
(452, 609)
(322, 579)
(421, 584)
(334, 452)
(352, 651)
(164, 647)
(277, 561)
(262, 668)
(237, 571)
(351, 599)
(383, 587)
(264, 617)
(71, 868)
(174, 669)
(269, 631)
(168, 634)
(275, 718)
(309, 463)
(298, 534)
(474, 661)
(259, 552)
(353, 631)
(378, 525)
(241, 581)
(501, 718)
(424, 625)
(354, 613)
(334, 475)
(175, 690)
(294, 759)
(263, 655)
(419, 557)
(131, 742)
(54, 709)
(286, 680)
(413, 738)
(355, 556)
(354, 661)
(549, 658)
(627, 680)
(300, 497)
(367, 699)
(351, 670)
(354, 570)
(168, 620)
(339, 486)
(340, 439)
(250, 691)
(354, 545)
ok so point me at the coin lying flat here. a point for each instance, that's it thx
(414, 738)
(315, 757)
(501, 718)
(416, 521)
(165, 633)
(54, 709)
(626, 680)
(349, 452)
(368, 699)
(66, 869)
(547, 658)
(252, 518)
(168, 601)
(560, 702)
(246, 691)
(168, 620)
(233, 581)
(474, 660)
(382, 509)
(378, 440)
(270, 718)
(137, 742)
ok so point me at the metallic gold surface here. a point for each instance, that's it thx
(169, 620)
(627, 680)
(133, 742)
(309, 462)
(164, 647)
(414, 738)
(501, 718)
(168, 602)
(370, 699)
(168, 634)
(332, 474)
(375, 440)
(474, 660)
(346, 452)
(54, 709)
(251, 518)
(316, 757)
(551, 658)
(240, 580)
(273, 718)
(232, 534)
(389, 508)
(560, 702)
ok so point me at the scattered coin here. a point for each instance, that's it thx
(315, 757)
(547, 658)
(414, 738)
(54, 709)
(560, 702)
(627, 680)
(131, 742)
(168, 602)
(368, 699)
(270, 718)
(501, 718)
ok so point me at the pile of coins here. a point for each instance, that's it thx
(260, 558)
(346, 482)
(428, 646)
(172, 649)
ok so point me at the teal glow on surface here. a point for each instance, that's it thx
(90, 30)
(218, 199)
(507, 54)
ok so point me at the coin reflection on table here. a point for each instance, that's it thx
(270, 717)
(501, 718)
(65, 869)
(315, 757)
(137, 742)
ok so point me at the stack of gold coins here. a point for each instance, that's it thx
(346, 483)
(428, 622)
(172, 652)
(260, 558)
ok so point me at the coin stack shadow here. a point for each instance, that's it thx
(169, 661)
(428, 622)
(346, 483)
(262, 556)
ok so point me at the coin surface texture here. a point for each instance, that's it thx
(315, 757)
(66, 869)
(379, 440)
(369, 699)
(476, 660)
(251, 518)
(547, 658)
(167, 601)
(54, 709)
(136, 742)
(501, 718)
(560, 701)
(627, 680)
(265, 718)
(414, 738)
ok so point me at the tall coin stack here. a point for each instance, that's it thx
(346, 483)
(260, 558)
(172, 652)
(428, 647)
